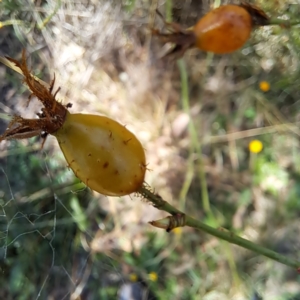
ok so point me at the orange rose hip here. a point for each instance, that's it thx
(223, 30)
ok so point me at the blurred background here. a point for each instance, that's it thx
(222, 143)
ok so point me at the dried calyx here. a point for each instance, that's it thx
(259, 17)
(52, 115)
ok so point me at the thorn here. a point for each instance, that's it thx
(56, 92)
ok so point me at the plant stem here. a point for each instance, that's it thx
(48, 18)
(189, 221)
(169, 10)
(220, 233)
(193, 134)
(283, 23)
(234, 239)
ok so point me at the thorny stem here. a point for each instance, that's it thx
(220, 233)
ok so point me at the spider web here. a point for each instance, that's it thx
(36, 228)
(33, 240)
(40, 223)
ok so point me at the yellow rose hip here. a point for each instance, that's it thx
(104, 154)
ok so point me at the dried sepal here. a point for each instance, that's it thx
(20, 128)
(11, 63)
(170, 222)
(259, 17)
(36, 87)
(182, 42)
(53, 112)
(16, 66)
(182, 38)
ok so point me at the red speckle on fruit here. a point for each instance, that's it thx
(126, 142)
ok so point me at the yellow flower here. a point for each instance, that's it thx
(255, 146)
(133, 277)
(264, 86)
(153, 276)
(177, 230)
